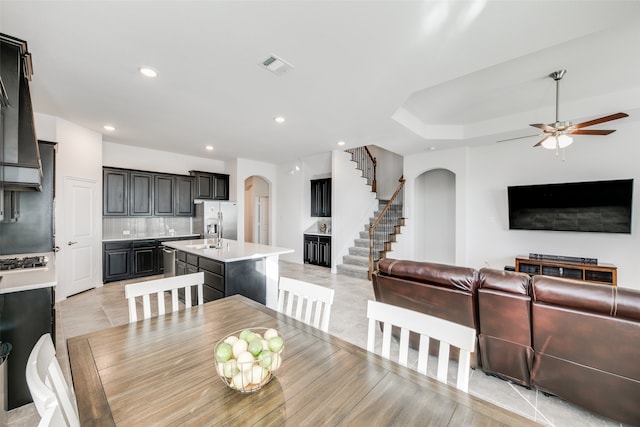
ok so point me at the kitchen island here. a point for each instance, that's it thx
(248, 269)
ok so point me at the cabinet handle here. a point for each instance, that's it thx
(71, 243)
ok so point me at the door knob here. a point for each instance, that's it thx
(71, 243)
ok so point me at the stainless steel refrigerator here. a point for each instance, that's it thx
(213, 216)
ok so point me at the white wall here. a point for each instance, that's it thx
(130, 157)
(483, 174)
(79, 155)
(388, 171)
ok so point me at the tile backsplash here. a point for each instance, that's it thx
(113, 228)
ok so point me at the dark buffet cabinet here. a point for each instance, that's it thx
(317, 250)
(141, 193)
(321, 197)
(244, 277)
(24, 317)
(211, 186)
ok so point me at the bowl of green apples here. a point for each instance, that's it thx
(248, 359)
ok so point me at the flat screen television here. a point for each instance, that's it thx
(596, 206)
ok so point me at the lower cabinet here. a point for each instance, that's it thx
(244, 277)
(317, 250)
(24, 317)
(129, 259)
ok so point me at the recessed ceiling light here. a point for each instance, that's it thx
(148, 72)
(432, 148)
(341, 143)
(109, 128)
(209, 147)
(279, 119)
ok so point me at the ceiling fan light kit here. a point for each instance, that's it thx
(557, 135)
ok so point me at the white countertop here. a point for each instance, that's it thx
(29, 278)
(141, 236)
(231, 250)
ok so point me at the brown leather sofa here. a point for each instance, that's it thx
(587, 345)
(579, 341)
(504, 333)
(444, 291)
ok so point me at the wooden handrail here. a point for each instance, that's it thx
(374, 182)
(374, 226)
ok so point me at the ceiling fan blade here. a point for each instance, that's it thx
(600, 120)
(541, 141)
(591, 132)
(544, 127)
(517, 137)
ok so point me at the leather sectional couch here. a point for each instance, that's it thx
(576, 340)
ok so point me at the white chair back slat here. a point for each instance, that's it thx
(307, 302)
(446, 332)
(52, 396)
(158, 288)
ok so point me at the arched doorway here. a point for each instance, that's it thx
(256, 210)
(436, 216)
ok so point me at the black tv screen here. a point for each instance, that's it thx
(597, 206)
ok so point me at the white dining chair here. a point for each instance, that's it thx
(53, 398)
(159, 287)
(446, 332)
(301, 300)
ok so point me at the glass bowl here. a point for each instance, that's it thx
(249, 358)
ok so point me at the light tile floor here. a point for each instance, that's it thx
(106, 306)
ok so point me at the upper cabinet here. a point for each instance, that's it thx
(321, 197)
(212, 186)
(115, 192)
(139, 193)
(164, 193)
(184, 196)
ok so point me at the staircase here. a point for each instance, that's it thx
(356, 264)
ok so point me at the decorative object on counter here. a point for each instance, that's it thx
(322, 228)
(246, 360)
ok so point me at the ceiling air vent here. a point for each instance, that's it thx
(276, 65)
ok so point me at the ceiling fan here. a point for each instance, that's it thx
(557, 135)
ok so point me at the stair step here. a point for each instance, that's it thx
(362, 243)
(353, 271)
(357, 251)
(360, 261)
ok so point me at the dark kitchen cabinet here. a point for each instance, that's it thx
(140, 194)
(321, 197)
(163, 195)
(116, 261)
(131, 193)
(184, 196)
(317, 250)
(24, 317)
(115, 192)
(220, 187)
(211, 186)
(145, 258)
(244, 277)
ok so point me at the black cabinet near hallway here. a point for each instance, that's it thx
(321, 197)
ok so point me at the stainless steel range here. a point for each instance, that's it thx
(22, 264)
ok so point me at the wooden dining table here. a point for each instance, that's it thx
(161, 371)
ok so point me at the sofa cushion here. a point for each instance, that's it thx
(447, 276)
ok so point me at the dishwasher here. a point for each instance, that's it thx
(169, 261)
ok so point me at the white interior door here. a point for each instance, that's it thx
(261, 220)
(81, 244)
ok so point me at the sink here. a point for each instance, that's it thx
(203, 246)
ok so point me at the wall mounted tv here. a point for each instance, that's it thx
(597, 206)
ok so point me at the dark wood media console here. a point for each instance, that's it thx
(595, 273)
